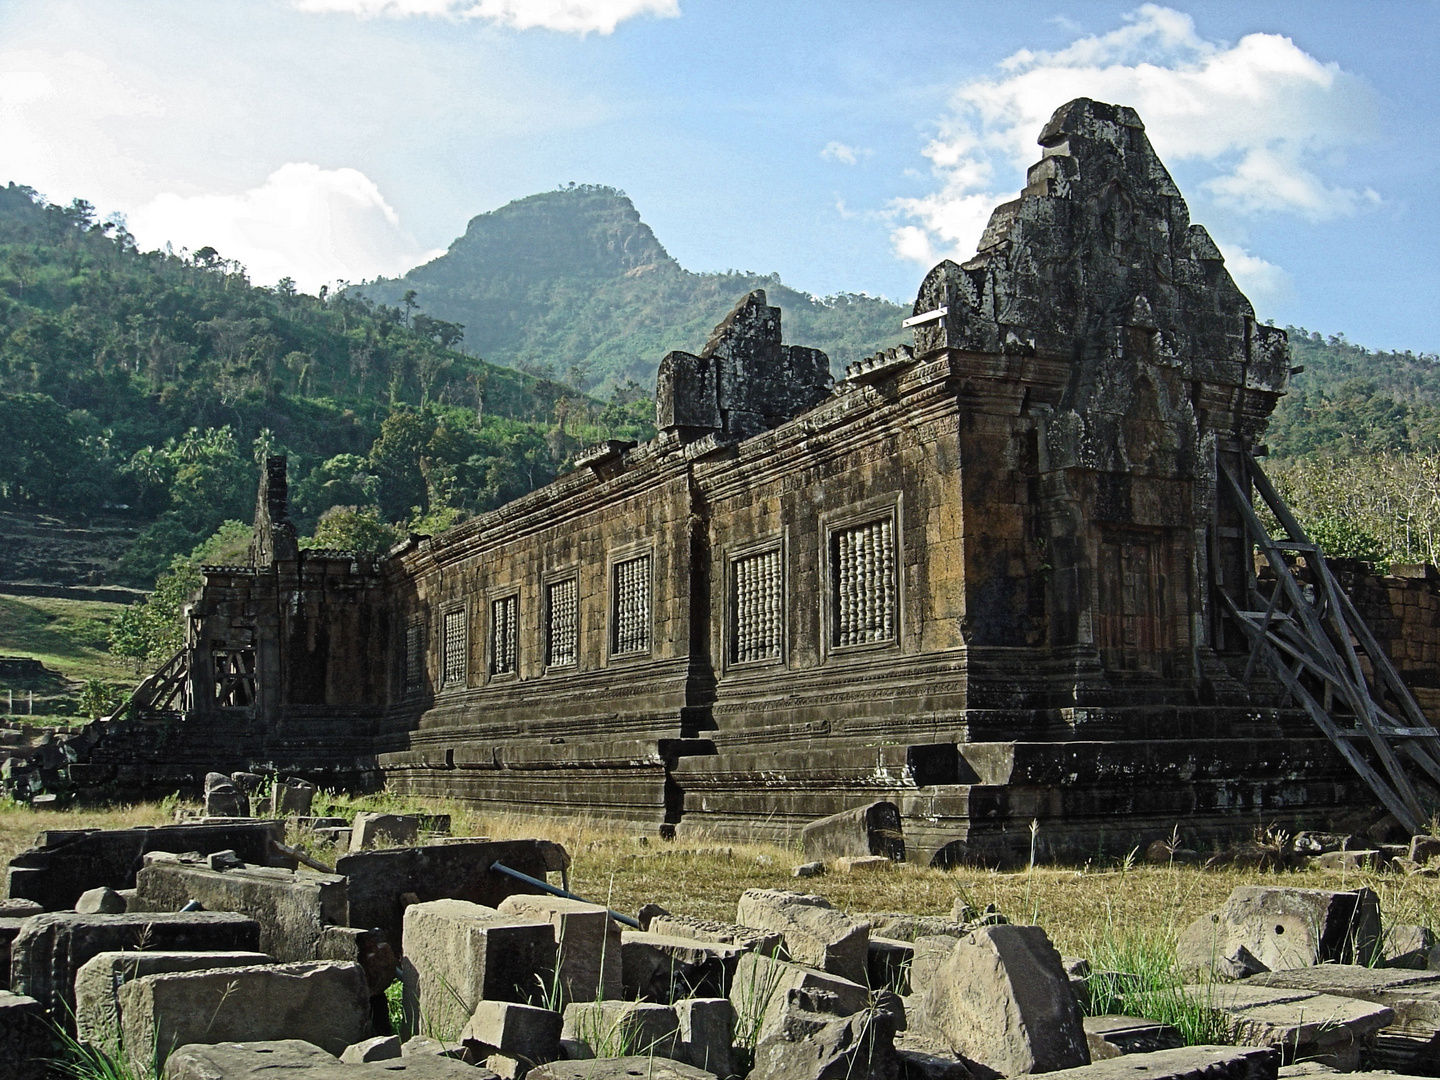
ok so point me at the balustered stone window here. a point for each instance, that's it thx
(757, 607)
(505, 635)
(562, 608)
(454, 645)
(862, 583)
(414, 657)
(631, 613)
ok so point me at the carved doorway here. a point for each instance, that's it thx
(1131, 615)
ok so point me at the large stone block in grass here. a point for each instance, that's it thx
(647, 1067)
(666, 969)
(300, 1060)
(587, 942)
(873, 829)
(293, 908)
(323, 1002)
(1002, 1001)
(815, 933)
(65, 863)
(1262, 928)
(458, 954)
(623, 1028)
(764, 988)
(49, 950)
(1187, 1063)
(98, 983)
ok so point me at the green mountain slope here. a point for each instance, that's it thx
(1350, 401)
(572, 281)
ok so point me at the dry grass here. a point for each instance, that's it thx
(1078, 907)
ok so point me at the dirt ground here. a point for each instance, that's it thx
(1079, 907)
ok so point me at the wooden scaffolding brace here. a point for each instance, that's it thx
(1315, 642)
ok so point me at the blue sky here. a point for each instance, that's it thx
(845, 146)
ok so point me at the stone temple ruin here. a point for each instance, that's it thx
(995, 578)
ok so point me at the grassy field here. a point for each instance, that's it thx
(70, 637)
(1084, 910)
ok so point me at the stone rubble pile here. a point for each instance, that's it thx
(206, 951)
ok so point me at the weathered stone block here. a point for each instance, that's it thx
(887, 964)
(1187, 1063)
(863, 864)
(379, 880)
(376, 1048)
(522, 1031)
(290, 797)
(68, 862)
(749, 938)
(322, 1002)
(458, 954)
(1112, 1036)
(1409, 945)
(620, 1068)
(706, 1033)
(383, 830)
(1002, 1001)
(623, 1028)
(98, 982)
(1301, 1025)
(100, 901)
(815, 933)
(763, 989)
(873, 829)
(50, 948)
(661, 968)
(292, 908)
(293, 1057)
(815, 1046)
(1280, 928)
(223, 797)
(368, 948)
(588, 944)
(26, 1041)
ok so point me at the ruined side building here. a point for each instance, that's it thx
(978, 577)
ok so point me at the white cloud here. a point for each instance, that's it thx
(1265, 116)
(847, 155)
(566, 16)
(1263, 282)
(311, 224)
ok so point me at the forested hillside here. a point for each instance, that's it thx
(573, 282)
(151, 383)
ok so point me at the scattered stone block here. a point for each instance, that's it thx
(928, 955)
(706, 1027)
(620, 1068)
(815, 933)
(1408, 945)
(368, 948)
(26, 1044)
(810, 1044)
(47, 801)
(379, 881)
(887, 964)
(873, 829)
(1364, 859)
(1414, 996)
(808, 870)
(749, 938)
(763, 988)
(293, 908)
(290, 797)
(587, 940)
(383, 830)
(1186, 1063)
(66, 863)
(101, 901)
(223, 797)
(1273, 929)
(518, 1031)
(1424, 848)
(863, 864)
(97, 984)
(1318, 843)
(623, 1028)
(1002, 1000)
(924, 1058)
(377, 1048)
(15, 907)
(1112, 1036)
(295, 1058)
(666, 969)
(50, 949)
(322, 1002)
(1316, 1027)
(458, 954)
(900, 926)
(223, 860)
